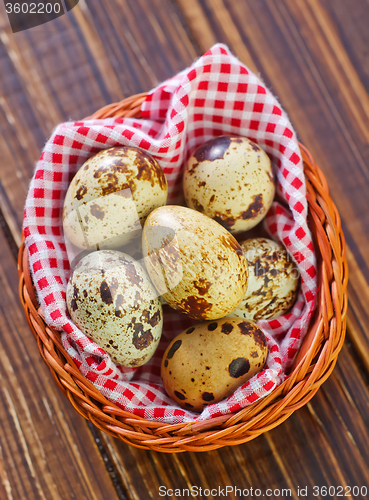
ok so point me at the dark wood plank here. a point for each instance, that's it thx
(350, 27)
(46, 448)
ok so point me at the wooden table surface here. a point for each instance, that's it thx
(313, 55)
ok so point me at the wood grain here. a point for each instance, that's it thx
(313, 56)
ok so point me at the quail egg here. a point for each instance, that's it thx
(196, 264)
(230, 179)
(273, 280)
(208, 362)
(110, 197)
(111, 300)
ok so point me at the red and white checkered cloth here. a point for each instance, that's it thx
(216, 95)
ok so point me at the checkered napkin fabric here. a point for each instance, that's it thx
(216, 95)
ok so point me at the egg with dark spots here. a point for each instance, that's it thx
(211, 363)
(194, 263)
(230, 179)
(110, 197)
(273, 280)
(111, 299)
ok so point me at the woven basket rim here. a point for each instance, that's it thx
(313, 364)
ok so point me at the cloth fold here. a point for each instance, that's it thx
(217, 95)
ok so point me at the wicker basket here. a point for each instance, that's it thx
(315, 360)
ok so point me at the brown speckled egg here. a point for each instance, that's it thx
(110, 196)
(196, 264)
(208, 362)
(230, 179)
(111, 299)
(273, 280)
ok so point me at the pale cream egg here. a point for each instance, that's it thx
(111, 299)
(195, 264)
(110, 197)
(230, 179)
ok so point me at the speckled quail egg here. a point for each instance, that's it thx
(208, 362)
(196, 264)
(273, 280)
(111, 299)
(230, 179)
(110, 196)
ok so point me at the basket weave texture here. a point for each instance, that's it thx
(313, 364)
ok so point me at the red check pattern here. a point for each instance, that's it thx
(216, 95)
